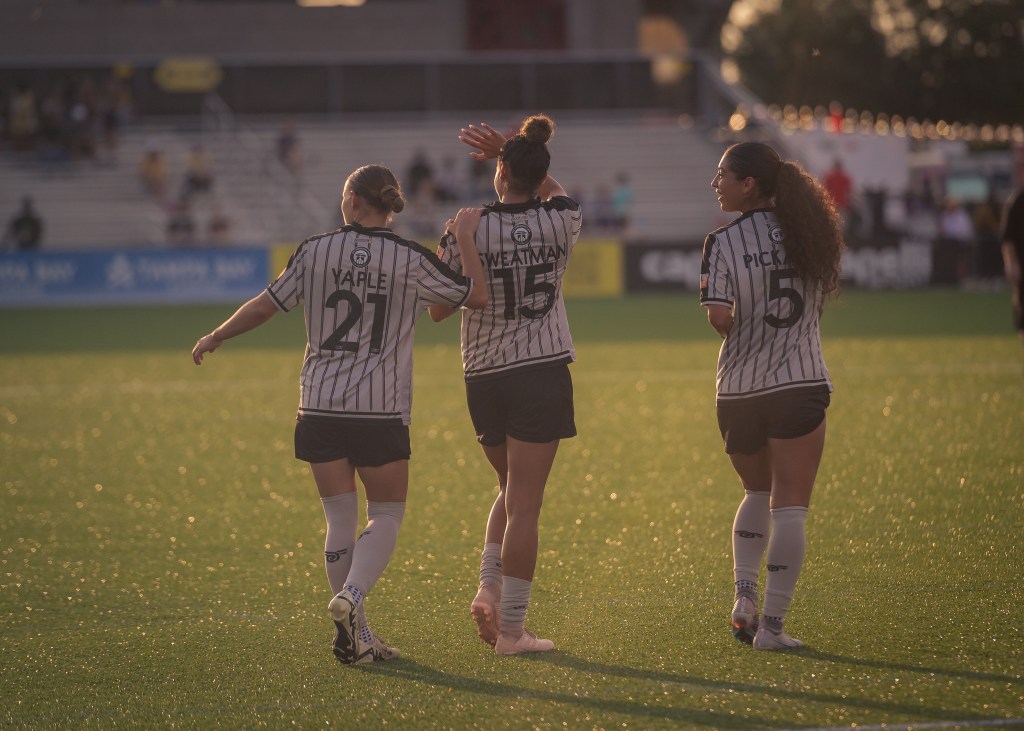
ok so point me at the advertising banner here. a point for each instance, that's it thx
(131, 277)
(595, 269)
(662, 267)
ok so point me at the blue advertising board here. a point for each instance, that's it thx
(172, 276)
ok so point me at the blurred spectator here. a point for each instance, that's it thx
(876, 202)
(289, 151)
(622, 202)
(24, 231)
(956, 239)
(82, 121)
(198, 172)
(954, 223)
(602, 212)
(218, 227)
(181, 225)
(420, 177)
(986, 219)
(839, 186)
(153, 170)
(53, 134)
(450, 184)
(23, 119)
(481, 179)
(113, 110)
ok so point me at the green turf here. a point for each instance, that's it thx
(161, 549)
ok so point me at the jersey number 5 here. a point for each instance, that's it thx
(776, 292)
(508, 283)
(355, 311)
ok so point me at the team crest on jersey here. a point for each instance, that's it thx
(521, 234)
(775, 234)
(360, 256)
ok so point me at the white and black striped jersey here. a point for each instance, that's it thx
(775, 342)
(362, 290)
(524, 249)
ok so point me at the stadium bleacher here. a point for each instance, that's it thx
(90, 205)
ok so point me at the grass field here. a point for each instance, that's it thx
(161, 549)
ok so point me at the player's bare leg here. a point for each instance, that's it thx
(529, 466)
(794, 470)
(751, 528)
(485, 607)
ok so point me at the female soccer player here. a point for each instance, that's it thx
(516, 354)
(362, 288)
(764, 281)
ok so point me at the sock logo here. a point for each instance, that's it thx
(365, 533)
(333, 556)
(749, 534)
(776, 567)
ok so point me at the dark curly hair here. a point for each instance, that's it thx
(525, 154)
(807, 214)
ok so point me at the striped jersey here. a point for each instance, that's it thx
(524, 249)
(362, 290)
(775, 343)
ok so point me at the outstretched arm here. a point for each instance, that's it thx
(251, 315)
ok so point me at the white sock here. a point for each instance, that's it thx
(750, 531)
(342, 513)
(490, 566)
(515, 600)
(784, 560)
(376, 543)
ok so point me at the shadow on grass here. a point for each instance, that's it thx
(408, 669)
(904, 667)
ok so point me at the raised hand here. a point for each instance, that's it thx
(487, 140)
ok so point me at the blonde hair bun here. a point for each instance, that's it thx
(392, 199)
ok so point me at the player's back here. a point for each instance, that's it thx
(774, 342)
(524, 249)
(362, 289)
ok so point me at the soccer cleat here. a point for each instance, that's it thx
(485, 613)
(766, 639)
(744, 619)
(376, 651)
(343, 611)
(526, 642)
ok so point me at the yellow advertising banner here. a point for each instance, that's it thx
(279, 256)
(595, 269)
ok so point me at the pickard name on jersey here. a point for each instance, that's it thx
(524, 249)
(775, 342)
(362, 290)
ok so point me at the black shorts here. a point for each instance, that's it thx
(364, 445)
(748, 423)
(532, 406)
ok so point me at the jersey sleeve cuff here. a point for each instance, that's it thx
(712, 301)
(276, 301)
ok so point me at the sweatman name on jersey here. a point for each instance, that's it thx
(522, 256)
